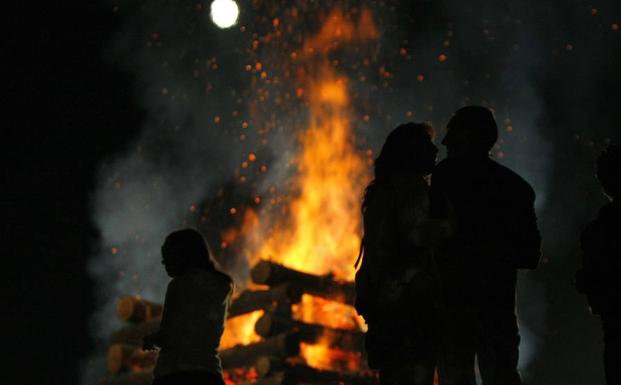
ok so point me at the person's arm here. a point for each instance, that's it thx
(376, 250)
(442, 222)
(435, 230)
(159, 338)
(526, 238)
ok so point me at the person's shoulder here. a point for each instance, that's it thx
(444, 172)
(223, 280)
(218, 284)
(591, 236)
(175, 285)
(176, 281)
(608, 217)
(379, 194)
(513, 180)
(610, 211)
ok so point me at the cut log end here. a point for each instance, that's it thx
(135, 309)
(125, 308)
(267, 365)
(114, 358)
(261, 272)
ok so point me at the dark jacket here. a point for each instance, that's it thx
(496, 230)
(393, 266)
(600, 277)
(395, 285)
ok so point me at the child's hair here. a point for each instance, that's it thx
(186, 249)
(609, 170)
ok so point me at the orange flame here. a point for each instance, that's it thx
(240, 330)
(331, 314)
(320, 232)
(339, 29)
(320, 356)
(322, 235)
(250, 221)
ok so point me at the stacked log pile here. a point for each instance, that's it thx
(275, 359)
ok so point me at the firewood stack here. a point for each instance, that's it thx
(275, 359)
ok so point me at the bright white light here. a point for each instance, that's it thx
(224, 13)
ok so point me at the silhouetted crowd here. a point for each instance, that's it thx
(437, 271)
(439, 260)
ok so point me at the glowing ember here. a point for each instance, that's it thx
(317, 226)
(239, 376)
(323, 233)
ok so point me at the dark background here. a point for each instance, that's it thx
(68, 108)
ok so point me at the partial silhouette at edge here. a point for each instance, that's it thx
(600, 275)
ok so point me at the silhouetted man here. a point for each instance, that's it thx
(496, 234)
(600, 277)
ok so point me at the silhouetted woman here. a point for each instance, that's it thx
(196, 304)
(395, 285)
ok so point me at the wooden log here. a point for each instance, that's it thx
(133, 334)
(283, 345)
(136, 309)
(266, 365)
(273, 379)
(122, 357)
(325, 286)
(251, 300)
(146, 314)
(134, 378)
(271, 324)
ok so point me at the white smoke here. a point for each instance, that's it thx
(191, 83)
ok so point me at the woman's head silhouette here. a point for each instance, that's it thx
(184, 250)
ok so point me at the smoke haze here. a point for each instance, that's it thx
(200, 89)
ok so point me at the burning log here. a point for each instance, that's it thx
(271, 273)
(134, 378)
(267, 365)
(122, 357)
(282, 346)
(136, 310)
(134, 334)
(270, 324)
(278, 296)
(146, 315)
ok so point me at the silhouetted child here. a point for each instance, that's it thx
(600, 276)
(195, 308)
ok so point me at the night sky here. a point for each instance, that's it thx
(78, 102)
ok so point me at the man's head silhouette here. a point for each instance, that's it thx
(471, 131)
